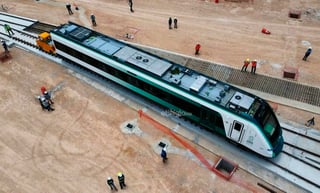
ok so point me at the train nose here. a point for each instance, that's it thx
(278, 148)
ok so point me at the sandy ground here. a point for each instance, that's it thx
(75, 148)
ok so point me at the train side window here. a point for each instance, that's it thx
(237, 126)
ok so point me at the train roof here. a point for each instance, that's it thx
(200, 85)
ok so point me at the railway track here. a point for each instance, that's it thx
(26, 30)
(300, 157)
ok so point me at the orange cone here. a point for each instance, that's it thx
(265, 31)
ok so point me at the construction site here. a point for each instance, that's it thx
(98, 129)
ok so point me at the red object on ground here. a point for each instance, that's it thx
(217, 1)
(43, 89)
(265, 31)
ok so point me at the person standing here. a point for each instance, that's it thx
(245, 65)
(197, 49)
(121, 180)
(253, 66)
(5, 46)
(8, 29)
(68, 6)
(164, 155)
(307, 54)
(111, 184)
(131, 5)
(93, 19)
(175, 23)
(170, 22)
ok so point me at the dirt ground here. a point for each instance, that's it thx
(76, 147)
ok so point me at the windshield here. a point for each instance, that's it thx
(267, 119)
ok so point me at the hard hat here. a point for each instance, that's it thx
(45, 92)
(247, 59)
(255, 60)
(310, 47)
(119, 174)
(164, 149)
(109, 178)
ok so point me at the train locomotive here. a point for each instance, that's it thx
(239, 116)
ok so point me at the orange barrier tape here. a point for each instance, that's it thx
(184, 143)
(166, 130)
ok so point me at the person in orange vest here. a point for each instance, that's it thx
(245, 65)
(197, 49)
(254, 66)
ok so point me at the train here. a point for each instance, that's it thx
(241, 117)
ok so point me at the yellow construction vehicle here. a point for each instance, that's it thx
(45, 43)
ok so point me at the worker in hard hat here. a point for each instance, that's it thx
(47, 95)
(253, 66)
(121, 180)
(245, 65)
(164, 154)
(111, 184)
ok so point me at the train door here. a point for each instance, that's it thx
(236, 131)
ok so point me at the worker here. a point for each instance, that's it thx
(45, 103)
(164, 155)
(253, 66)
(5, 46)
(197, 49)
(175, 23)
(93, 19)
(48, 97)
(310, 122)
(8, 29)
(111, 184)
(307, 54)
(68, 6)
(245, 65)
(170, 22)
(121, 180)
(131, 5)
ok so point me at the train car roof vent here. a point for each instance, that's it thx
(198, 83)
(241, 100)
(80, 33)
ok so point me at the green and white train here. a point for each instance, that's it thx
(239, 116)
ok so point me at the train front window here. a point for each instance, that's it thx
(266, 118)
